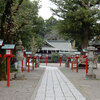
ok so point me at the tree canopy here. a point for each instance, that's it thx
(49, 30)
(19, 20)
(78, 19)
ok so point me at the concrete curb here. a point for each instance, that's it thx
(37, 87)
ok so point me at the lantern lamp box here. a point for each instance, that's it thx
(8, 49)
(8, 46)
(85, 50)
(24, 50)
(1, 42)
(77, 53)
(28, 53)
(28, 56)
(36, 55)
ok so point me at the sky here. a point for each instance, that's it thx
(45, 11)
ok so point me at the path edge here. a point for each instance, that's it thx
(37, 87)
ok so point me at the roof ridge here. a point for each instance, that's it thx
(57, 41)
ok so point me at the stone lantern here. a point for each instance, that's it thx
(19, 57)
(91, 49)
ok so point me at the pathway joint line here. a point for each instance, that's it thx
(57, 87)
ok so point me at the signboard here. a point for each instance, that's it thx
(77, 53)
(8, 52)
(36, 55)
(8, 46)
(85, 50)
(24, 50)
(28, 53)
(28, 56)
(1, 42)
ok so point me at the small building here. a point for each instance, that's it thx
(56, 46)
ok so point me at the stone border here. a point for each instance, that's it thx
(37, 87)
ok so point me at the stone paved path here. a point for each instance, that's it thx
(55, 86)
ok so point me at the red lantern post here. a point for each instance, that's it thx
(60, 60)
(99, 49)
(86, 66)
(68, 62)
(85, 56)
(0, 55)
(33, 64)
(72, 62)
(8, 55)
(77, 57)
(46, 60)
(28, 57)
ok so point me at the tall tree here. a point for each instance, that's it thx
(49, 30)
(6, 26)
(27, 23)
(19, 19)
(78, 19)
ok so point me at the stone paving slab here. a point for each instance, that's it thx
(90, 89)
(55, 86)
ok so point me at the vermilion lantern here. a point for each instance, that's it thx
(77, 57)
(46, 59)
(85, 56)
(8, 53)
(28, 55)
(68, 61)
(72, 57)
(60, 59)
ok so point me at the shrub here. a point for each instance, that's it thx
(98, 58)
(55, 57)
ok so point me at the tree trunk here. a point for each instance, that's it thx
(3, 69)
(6, 25)
(85, 40)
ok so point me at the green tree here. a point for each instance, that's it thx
(78, 19)
(28, 24)
(49, 30)
(19, 19)
(6, 26)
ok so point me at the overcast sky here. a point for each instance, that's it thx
(45, 11)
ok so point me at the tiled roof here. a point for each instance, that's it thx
(59, 45)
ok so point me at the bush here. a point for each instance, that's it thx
(55, 57)
(99, 58)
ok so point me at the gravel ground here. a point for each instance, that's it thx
(21, 89)
(89, 88)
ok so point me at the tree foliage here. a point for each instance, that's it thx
(19, 20)
(49, 30)
(78, 19)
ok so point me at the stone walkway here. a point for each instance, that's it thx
(55, 86)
